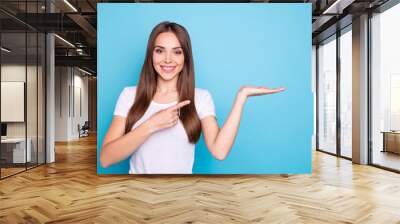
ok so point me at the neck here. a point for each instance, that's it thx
(164, 86)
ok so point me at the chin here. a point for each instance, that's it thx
(168, 77)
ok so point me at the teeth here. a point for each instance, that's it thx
(167, 68)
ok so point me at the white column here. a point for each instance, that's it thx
(50, 92)
(50, 100)
(360, 90)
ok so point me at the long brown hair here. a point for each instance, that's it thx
(147, 85)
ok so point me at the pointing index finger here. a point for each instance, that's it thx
(179, 105)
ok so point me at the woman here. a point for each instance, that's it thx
(159, 121)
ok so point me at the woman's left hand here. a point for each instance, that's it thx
(246, 91)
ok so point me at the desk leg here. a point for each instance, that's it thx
(384, 143)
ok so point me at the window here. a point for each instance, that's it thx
(385, 88)
(346, 92)
(327, 95)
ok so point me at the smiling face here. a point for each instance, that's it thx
(168, 57)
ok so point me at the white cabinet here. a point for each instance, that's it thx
(18, 149)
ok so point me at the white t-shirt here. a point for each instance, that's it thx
(167, 151)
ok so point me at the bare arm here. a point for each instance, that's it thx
(220, 141)
(118, 146)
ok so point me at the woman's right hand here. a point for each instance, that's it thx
(165, 118)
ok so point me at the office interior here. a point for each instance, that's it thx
(48, 81)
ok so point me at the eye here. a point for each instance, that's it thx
(178, 52)
(158, 50)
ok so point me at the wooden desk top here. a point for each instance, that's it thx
(14, 140)
(390, 132)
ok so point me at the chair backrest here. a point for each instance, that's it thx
(86, 124)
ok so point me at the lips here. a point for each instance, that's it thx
(167, 69)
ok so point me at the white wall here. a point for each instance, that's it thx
(34, 125)
(62, 81)
(15, 72)
(70, 84)
(80, 89)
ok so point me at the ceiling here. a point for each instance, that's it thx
(76, 22)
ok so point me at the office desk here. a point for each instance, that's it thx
(391, 141)
(13, 150)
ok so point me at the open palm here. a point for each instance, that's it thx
(259, 90)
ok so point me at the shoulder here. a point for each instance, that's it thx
(201, 93)
(128, 92)
(204, 103)
(127, 95)
(202, 97)
(125, 101)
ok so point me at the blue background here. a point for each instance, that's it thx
(233, 45)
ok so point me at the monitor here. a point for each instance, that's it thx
(3, 129)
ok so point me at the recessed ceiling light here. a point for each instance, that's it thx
(5, 50)
(338, 6)
(71, 6)
(84, 71)
(64, 40)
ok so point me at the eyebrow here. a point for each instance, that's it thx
(164, 47)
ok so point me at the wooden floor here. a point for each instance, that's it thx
(69, 191)
(387, 159)
(5, 172)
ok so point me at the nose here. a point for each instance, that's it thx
(167, 57)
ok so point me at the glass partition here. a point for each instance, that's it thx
(385, 89)
(22, 88)
(13, 108)
(346, 93)
(327, 95)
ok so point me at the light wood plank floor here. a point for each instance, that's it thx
(387, 159)
(69, 191)
(10, 171)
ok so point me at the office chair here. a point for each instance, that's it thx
(84, 130)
